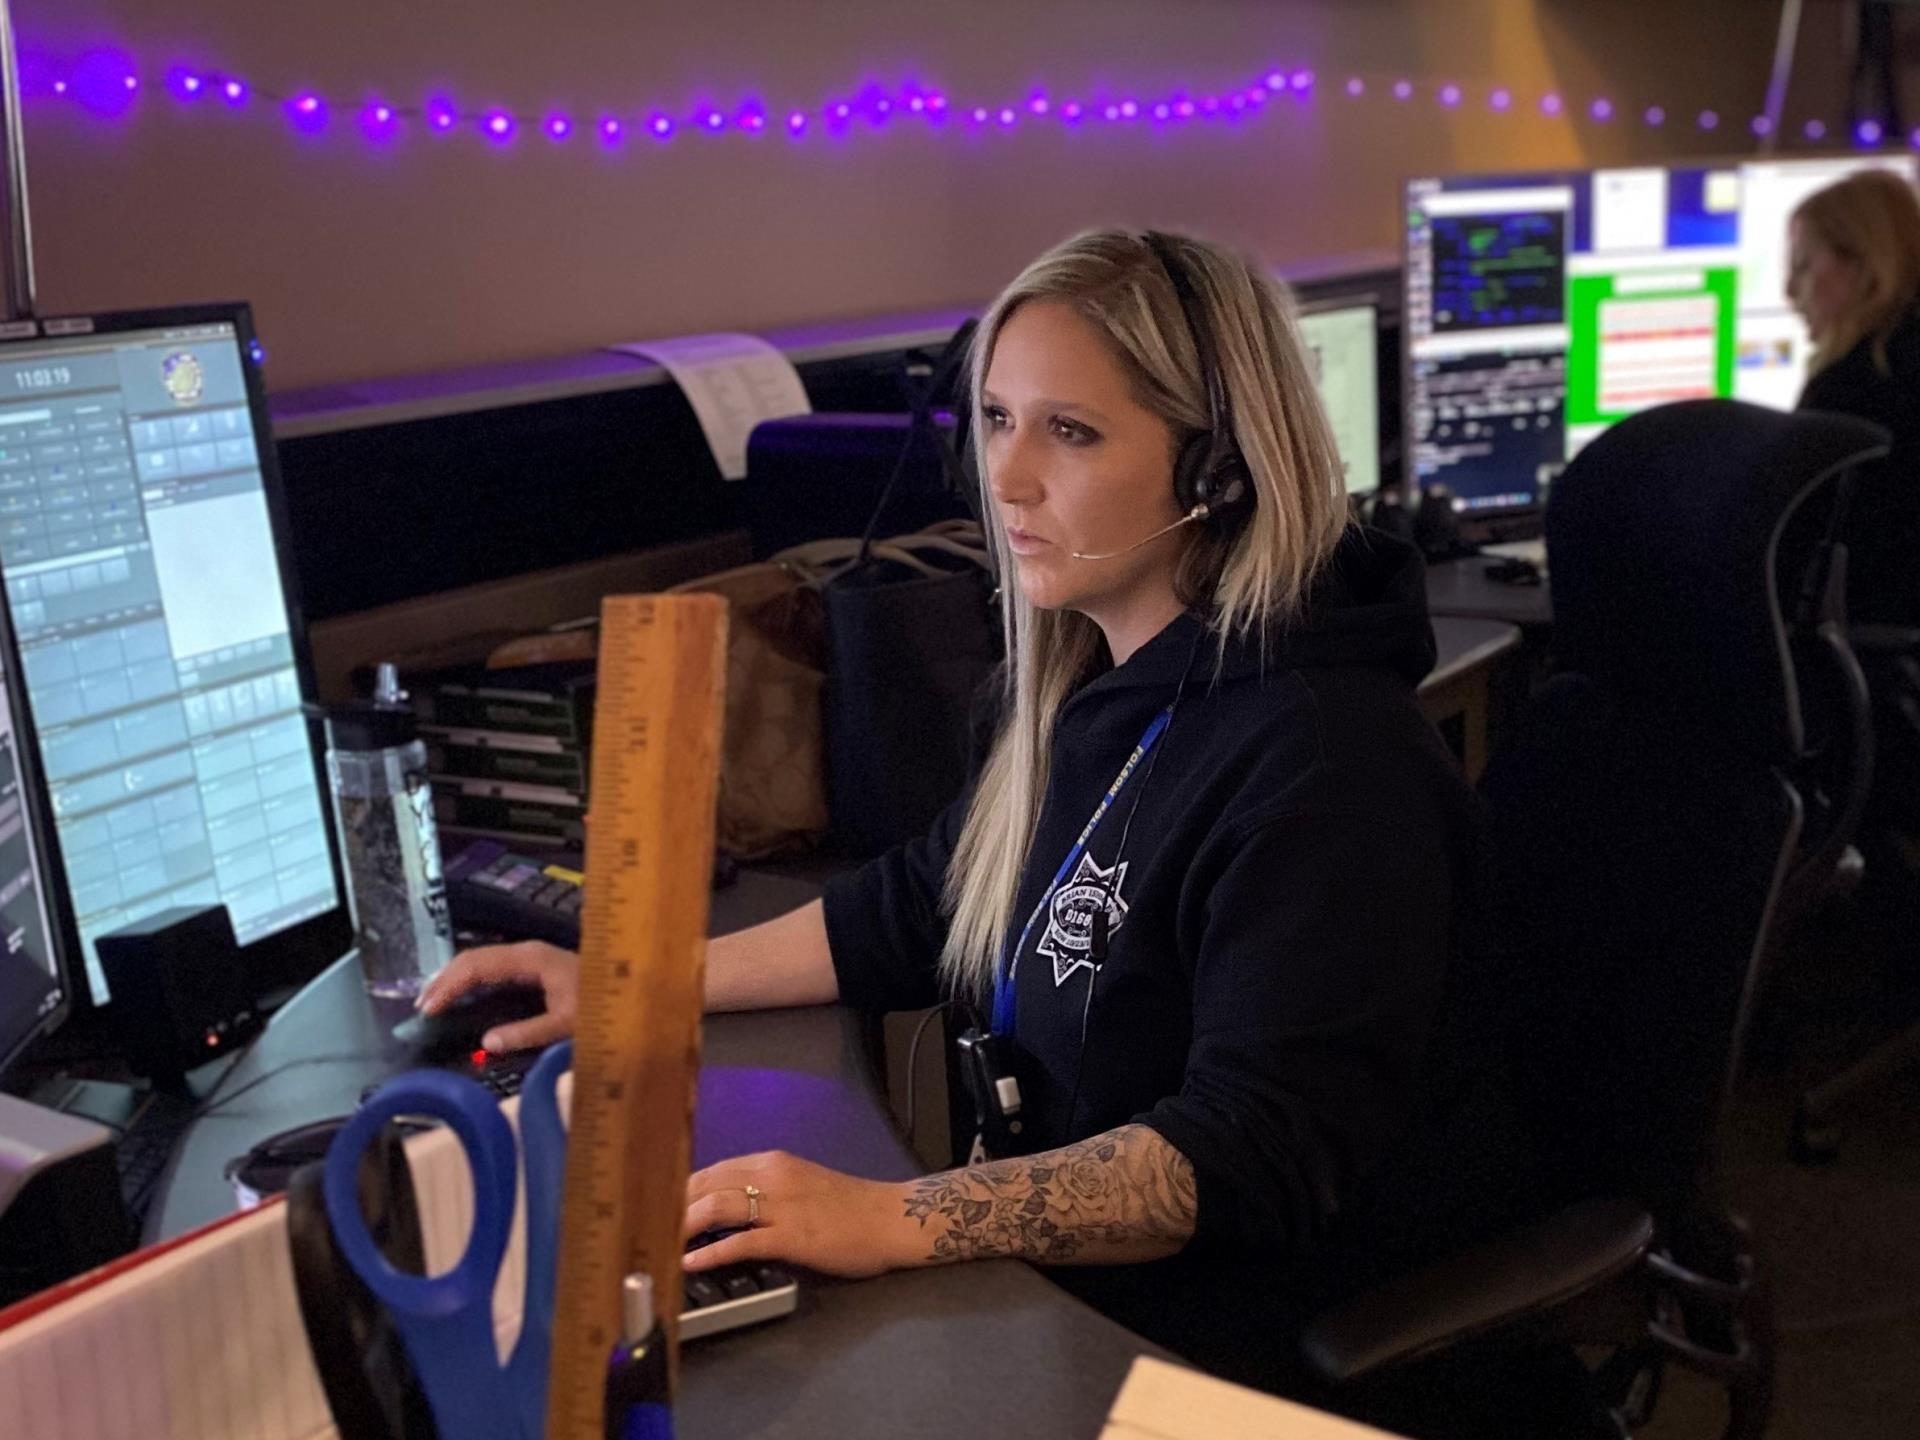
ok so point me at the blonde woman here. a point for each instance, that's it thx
(1854, 276)
(1220, 1005)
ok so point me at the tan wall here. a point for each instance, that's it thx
(439, 252)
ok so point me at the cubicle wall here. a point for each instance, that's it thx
(402, 489)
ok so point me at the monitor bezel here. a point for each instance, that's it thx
(33, 813)
(1537, 506)
(296, 954)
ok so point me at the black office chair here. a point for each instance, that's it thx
(1889, 840)
(1646, 826)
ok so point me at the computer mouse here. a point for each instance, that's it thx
(455, 1032)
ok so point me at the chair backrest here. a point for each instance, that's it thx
(1642, 817)
(1670, 585)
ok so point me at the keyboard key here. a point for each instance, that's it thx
(701, 1292)
(738, 1287)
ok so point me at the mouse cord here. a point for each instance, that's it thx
(212, 1104)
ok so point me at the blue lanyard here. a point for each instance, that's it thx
(1003, 980)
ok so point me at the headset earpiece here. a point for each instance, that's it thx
(1210, 473)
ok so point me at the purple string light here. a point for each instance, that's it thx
(307, 112)
(115, 73)
(1868, 132)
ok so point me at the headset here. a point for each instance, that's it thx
(1212, 483)
(1210, 476)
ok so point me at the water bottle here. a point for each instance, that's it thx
(384, 809)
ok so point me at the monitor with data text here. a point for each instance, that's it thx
(33, 995)
(1542, 308)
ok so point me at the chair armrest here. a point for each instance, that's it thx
(1521, 1276)
(1883, 639)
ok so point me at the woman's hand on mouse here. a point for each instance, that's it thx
(532, 962)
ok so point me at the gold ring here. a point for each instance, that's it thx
(753, 1204)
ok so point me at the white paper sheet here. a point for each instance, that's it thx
(733, 383)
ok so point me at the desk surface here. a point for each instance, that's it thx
(1461, 588)
(928, 1352)
(1464, 645)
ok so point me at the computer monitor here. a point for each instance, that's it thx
(1343, 343)
(1542, 308)
(33, 990)
(143, 553)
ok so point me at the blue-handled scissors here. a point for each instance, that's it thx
(446, 1321)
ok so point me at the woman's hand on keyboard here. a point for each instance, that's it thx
(531, 962)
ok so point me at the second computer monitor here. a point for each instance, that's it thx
(1542, 308)
(1343, 343)
(142, 555)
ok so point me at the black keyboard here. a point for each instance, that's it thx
(735, 1295)
(145, 1147)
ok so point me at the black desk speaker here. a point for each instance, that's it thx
(179, 996)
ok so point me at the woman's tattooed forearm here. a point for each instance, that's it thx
(1125, 1195)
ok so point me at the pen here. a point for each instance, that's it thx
(638, 1405)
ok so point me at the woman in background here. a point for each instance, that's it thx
(1854, 276)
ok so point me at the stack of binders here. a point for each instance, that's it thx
(507, 751)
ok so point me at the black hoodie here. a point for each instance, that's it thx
(1282, 922)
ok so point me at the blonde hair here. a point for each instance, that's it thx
(1872, 219)
(1247, 581)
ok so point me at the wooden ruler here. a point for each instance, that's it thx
(636, 1049)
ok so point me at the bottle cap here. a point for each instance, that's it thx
(382, 723)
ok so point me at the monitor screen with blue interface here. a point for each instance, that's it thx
(1542, 308)
(32, 985)
(1342, 342)
(155, 635)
